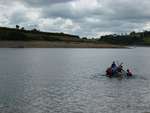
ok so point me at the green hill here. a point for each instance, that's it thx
(14, 34)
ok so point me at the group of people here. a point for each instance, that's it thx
(114, 69)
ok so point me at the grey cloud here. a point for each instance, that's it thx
(107, 16)
(128, 9)
(17, 17)
(59, 10)
(41, 3)
(65, 10)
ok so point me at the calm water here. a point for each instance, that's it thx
(72, 81)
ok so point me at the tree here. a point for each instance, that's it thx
(132, 34)
(34, 30)
(84, 38)
(17, 26)
(22, 28)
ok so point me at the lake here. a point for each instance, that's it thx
(73, 81)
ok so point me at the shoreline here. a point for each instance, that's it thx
(55, 44)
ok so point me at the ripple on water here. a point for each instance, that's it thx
(71, 81)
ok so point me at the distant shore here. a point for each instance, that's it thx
(56, 44)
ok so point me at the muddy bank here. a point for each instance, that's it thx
(48, 44)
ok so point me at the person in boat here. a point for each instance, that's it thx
(113, 67)
(120, 68)
(129, 73)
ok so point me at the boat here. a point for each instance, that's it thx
(116, 74)
(118, 71)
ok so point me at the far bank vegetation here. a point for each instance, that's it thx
(21, 34)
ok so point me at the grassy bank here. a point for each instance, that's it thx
(54, 44)
(21, 38)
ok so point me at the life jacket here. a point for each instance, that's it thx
(109, 72)
(129, 73)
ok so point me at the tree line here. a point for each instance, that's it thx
(21, 34)
(137, 38)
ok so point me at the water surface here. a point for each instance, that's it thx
(72, 81)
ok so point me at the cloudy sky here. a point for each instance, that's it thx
(80, 17)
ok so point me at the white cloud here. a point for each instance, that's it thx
(33, 14)
(85, 4)
(58, 25)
